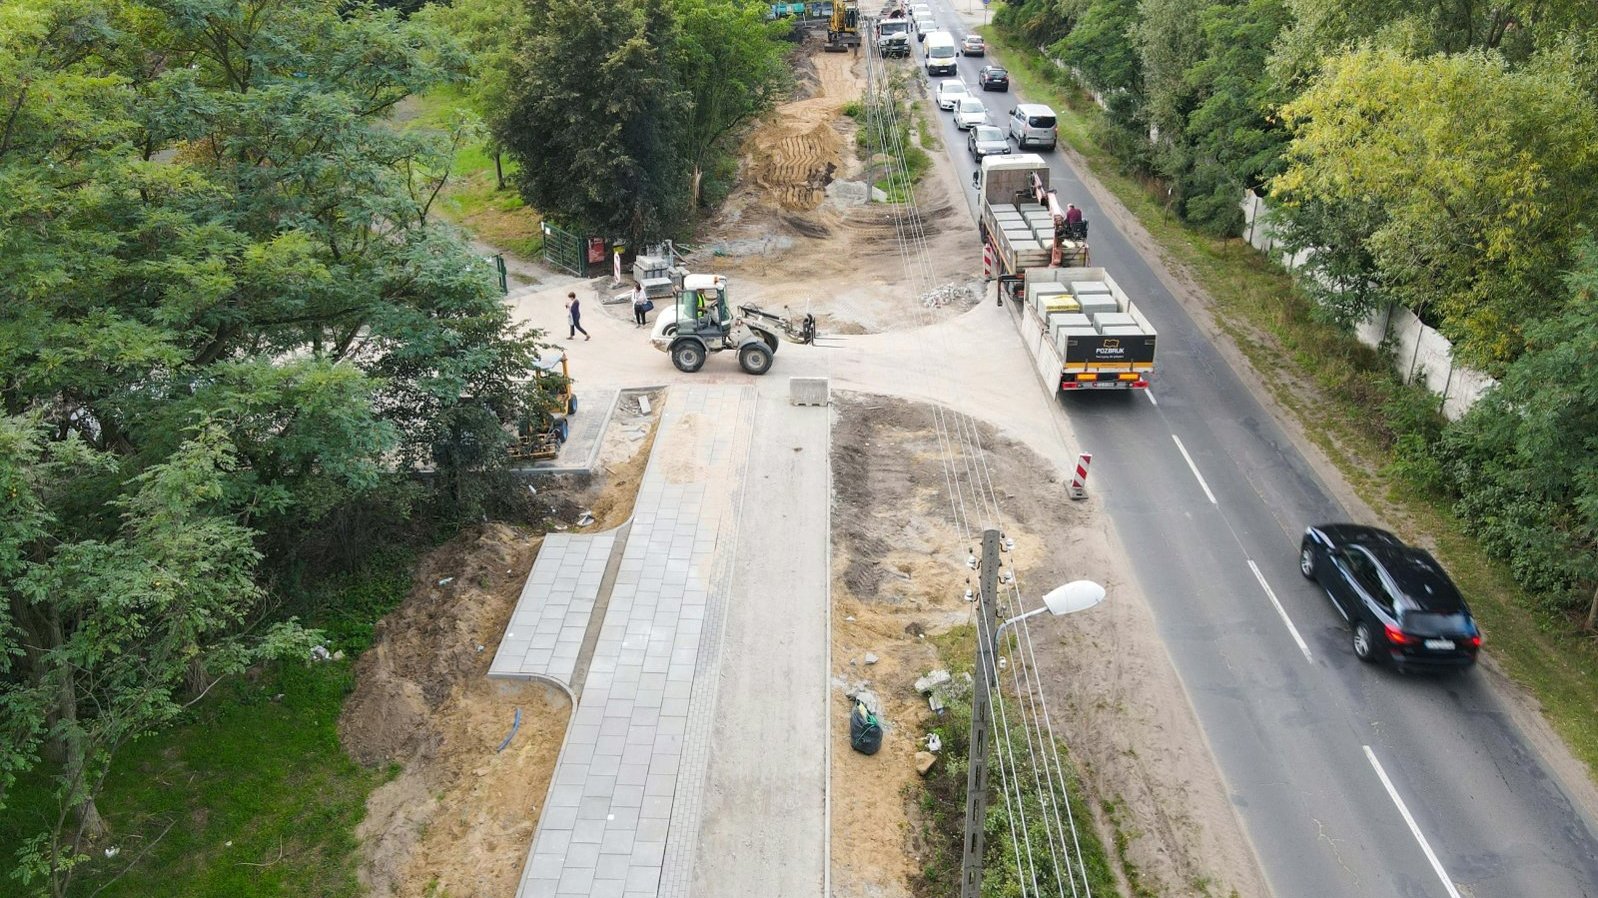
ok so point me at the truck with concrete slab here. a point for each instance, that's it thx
(1083, 331)
(1022, 221)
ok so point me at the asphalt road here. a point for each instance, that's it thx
(1351, 780)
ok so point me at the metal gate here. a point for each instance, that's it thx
(563, 249)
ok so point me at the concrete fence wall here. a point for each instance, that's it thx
(1419, 352)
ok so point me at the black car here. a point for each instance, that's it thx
(993, 77)
(1400, 603)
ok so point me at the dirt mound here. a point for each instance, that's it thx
(792, 157)
(460, 815)
(425, 650)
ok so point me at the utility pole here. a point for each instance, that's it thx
(976, 780)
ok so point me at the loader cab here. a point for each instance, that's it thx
(703, 301)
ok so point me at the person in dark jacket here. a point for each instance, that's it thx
(574, 317)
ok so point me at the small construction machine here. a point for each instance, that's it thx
(702, 322)
(540, 436)
(843, 29)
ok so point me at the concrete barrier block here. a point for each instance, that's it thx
(808, 391)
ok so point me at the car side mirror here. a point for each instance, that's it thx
(975, 179)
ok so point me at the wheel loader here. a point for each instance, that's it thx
(701, 322)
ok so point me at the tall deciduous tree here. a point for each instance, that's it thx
(596, 116)
(225, 314)
(1524, 461)
(730, 63)
(1481, 175)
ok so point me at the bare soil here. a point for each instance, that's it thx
(459, 815)
(788, 244)
(899, 578)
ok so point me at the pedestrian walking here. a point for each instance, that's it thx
(574, 317)
(640, 305)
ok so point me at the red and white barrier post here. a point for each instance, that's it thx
(1079, 483)
(987, 270)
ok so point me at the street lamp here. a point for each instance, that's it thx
(1078, 595)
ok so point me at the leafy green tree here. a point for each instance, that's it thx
(1482, 176)
(1515, 28)
(1100, 47)
(489, 31)
(1524, 460)
(226, 314)
(600, 142)
(128, 631)
(729, 62)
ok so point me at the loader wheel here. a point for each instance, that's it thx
(571, 405)
(755, 358)
(771, 342)
(688, 355)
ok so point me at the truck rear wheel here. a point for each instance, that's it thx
(755, 358)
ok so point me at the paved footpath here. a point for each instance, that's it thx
(765, 817)
(654, 773)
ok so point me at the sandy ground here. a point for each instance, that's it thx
(1115, 698)
(458, 817)
(786, 244)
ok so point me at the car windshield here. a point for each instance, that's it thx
(997, 72)
(952, 87)
(1041, 121)
(972, 105)
(985, 133)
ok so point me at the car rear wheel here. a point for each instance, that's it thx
(1306, 561)
(1364, 645)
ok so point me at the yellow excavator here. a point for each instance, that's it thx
(843, 29)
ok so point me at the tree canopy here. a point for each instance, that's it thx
(617, 145)
(1482, 176)
(227, 316)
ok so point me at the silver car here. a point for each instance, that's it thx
(969, 112)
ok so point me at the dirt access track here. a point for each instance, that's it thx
(458, 818)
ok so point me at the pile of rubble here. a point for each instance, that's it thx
(945, 294)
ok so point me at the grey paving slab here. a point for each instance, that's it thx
(546, 629)
(636, 772)
(586, 432)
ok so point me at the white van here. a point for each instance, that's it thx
(940, 53)
(1035, 124)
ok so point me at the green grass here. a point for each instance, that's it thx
(473, 198)
(251, 795)
(942, 798)
(1332, 384)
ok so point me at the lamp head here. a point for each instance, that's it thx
(1078, 595)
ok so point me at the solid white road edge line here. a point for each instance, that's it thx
(1194, 468)
(1280, 610)
(1150, 393)
(1413, 828)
